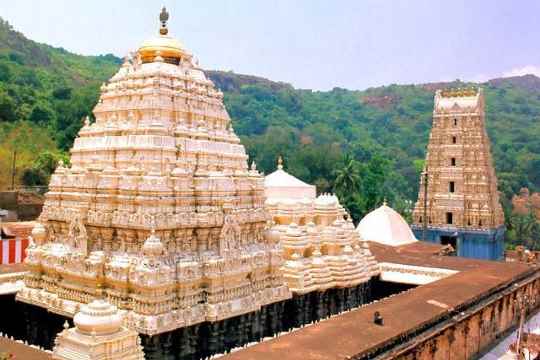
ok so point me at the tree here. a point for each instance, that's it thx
(347, 180)
(524, 228)
(7, 107)
(28, 141)
(63, 93)
(374, 177)
(41, 115)
(347, 186)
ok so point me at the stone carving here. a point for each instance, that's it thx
(319, 243)
(461, 183)
(158, 169)
(229, 235)
(77, 234)
(98, 334)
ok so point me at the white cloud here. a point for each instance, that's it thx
(525, 70)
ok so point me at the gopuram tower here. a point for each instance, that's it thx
(458, 202)
(158, 212)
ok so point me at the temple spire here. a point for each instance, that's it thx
(164, 17)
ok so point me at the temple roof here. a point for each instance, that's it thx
(385, 226)
(281, 184)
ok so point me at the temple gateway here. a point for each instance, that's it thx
(458, 201)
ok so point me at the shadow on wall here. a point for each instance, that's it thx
(39, 327)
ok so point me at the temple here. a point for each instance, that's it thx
(458, 202)
(159, 215)
(158, 212)
(321, 248)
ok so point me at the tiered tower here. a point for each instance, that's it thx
(462, 204)
(158, 212)
(327, 266)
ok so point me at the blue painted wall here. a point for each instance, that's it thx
(487, 244)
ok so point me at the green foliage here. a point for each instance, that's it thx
(39, 173)
(385, 130)
(21, 144)
(48, 86)
(524, 229)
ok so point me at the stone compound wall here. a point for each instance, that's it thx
(474, 331)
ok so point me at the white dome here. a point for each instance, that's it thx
(282, 185)
(99, 317)
(385, 226)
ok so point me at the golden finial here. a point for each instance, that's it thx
(384, 202)
(164, 17)
(280, 162)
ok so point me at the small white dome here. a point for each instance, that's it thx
(282, 185)
(385, 226)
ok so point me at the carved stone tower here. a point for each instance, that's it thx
(463, 207)
(158, 211)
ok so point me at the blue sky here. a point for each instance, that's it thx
(309, 43)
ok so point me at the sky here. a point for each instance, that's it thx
(313, 44)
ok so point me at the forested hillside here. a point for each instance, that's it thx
(313, 129)
(49, 89)
(366, 145)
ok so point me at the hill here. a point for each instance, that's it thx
(383, 129)
(47, 86)
(393, 121)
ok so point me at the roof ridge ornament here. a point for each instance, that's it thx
(164, 17)
(280, 163)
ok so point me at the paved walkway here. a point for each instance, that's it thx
(500, 351)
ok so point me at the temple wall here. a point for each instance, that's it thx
(486, 244)
(468, 335)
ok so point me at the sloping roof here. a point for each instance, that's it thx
(16, 229)
(353, 334)
(385, 226)
(21, 351)
(281, 184)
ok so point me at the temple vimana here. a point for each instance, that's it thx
(161, 240)
(458, 202)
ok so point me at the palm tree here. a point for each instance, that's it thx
(347, 181)
(524, 226)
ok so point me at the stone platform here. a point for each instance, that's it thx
(39, 327)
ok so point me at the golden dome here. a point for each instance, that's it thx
(170, 49)
(164, 45)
